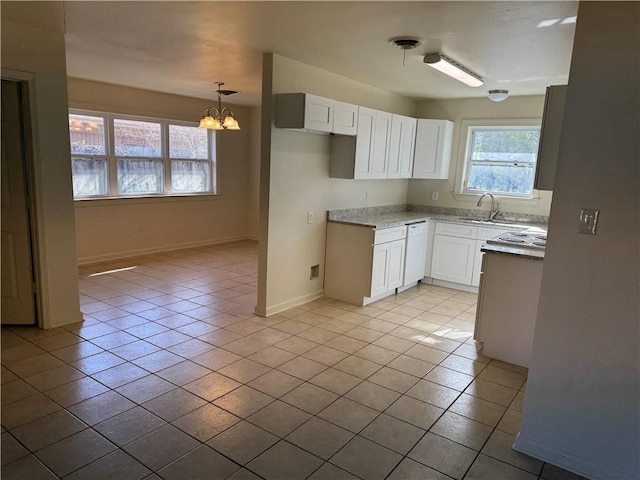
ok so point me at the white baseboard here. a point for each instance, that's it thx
(578, 465)
(281, 307)
(455, 286)
(369, 300)
(164, 248)
(62, 321)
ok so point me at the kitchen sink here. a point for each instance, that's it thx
(488, 222)
(475, 220)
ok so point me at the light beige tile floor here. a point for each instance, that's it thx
(172, 376)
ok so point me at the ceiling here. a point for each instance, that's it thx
(183, 47)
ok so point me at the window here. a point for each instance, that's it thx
(122, 156)
(501, 160)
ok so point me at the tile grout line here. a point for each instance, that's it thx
(305, 381)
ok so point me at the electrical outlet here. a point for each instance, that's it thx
(309, 217)
(367, 195)
(588, 221)
(434, 195)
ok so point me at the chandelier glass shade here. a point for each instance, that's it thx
(219, 118)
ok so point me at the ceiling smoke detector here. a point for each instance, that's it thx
(405, 43)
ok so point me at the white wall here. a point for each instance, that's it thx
(117, 228)
(581, 409)
(33, 42)
(528, 107)
(253, 180)
(298, 182)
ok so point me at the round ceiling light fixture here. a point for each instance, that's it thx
(405, 43)
(498, 95)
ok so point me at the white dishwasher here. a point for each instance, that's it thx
(416, 253)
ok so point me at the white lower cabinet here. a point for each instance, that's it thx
(457, 256)
(453, 259)
(362, 264)
(387, 267)
(477, 263)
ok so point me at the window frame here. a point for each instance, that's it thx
(165, 158)
(467, 129)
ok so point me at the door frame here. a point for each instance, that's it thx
(33, 178)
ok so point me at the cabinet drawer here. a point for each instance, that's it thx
(457, 230)
(385, 235)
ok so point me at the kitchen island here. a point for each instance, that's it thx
(508, 302)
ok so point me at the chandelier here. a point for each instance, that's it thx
(220, 118)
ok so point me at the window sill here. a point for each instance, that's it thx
(502, 200)
(102, 201)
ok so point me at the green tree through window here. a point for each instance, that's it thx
(502, 160)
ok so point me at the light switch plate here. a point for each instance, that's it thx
(588, 221)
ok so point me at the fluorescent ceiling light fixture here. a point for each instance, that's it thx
(453, 69)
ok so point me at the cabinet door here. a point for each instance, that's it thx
(364, 143)
(453, 259)
(401, 146)
(396, 264)
(477, 263)
(318, 113)
(407, 147)
(433, 149)
(345, 118)
(380, 269)
(380, 149)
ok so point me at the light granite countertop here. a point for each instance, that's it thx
(397, 215)
(396, 219)
(520, 252)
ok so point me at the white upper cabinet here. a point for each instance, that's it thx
(314, 114)
(401, 146)
(380, 148)
(345, 118)
(305, 112)
(363, 143)
(366, 154)
(433, 149)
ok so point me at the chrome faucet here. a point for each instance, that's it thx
(494, 208)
